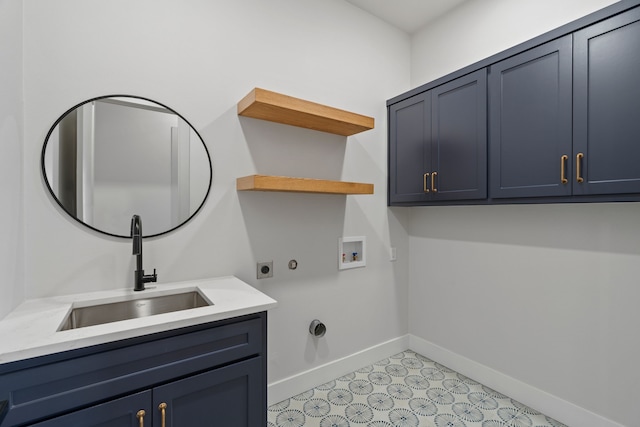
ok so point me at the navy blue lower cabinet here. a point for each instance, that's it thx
(4, 406)
(530, 123)
(225, 397)
(130, 411)
(607, 106)
(204, 375)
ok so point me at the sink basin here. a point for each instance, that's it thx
(81, 317)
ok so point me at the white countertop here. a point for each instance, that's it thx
(31, 330)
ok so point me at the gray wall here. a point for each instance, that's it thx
(11, 151)
(200, 57)
(543, 294)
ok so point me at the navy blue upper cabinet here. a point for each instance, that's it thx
(561, 113)
(409, 148)
(530, 123)
(607, 106)
(437, 143)
(459, 139)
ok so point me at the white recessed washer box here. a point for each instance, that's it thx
(352, 252)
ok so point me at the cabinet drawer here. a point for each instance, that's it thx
(55, 388)
(118, 413)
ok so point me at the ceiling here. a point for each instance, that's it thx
(408, 15)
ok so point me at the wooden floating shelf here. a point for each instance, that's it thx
(300, 185)
(266, 105)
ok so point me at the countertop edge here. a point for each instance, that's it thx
(228, 295)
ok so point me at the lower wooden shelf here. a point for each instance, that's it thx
(300, 185)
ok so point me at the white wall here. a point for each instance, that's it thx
(200, 57)
(543, 294)
(11, 125)
(478, 29)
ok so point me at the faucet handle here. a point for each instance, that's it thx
(146, 278)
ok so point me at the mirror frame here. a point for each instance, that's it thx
(74, 217)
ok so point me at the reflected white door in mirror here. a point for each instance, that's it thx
(113, 157)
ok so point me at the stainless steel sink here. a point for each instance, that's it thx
(112, 312)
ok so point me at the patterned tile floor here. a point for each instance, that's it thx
(404, 390)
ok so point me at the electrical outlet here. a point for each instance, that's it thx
(265, 270)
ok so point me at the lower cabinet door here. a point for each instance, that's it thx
(129, 411)
(233, 396)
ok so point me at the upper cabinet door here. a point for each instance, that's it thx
(459, 139)
(409, 148)
(607, 106)
(530, 123)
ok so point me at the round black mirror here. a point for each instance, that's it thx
(111, 157)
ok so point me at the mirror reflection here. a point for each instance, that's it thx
(112, 157)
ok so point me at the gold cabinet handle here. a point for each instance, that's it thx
(579, 158)
(140, 415)
(433, 182)
(425, 177)
(163, 414)
(563, 164)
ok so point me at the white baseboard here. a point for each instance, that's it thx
(559, 409)
(296, 384)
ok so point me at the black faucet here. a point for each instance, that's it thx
(139, 277)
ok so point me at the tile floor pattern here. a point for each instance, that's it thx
(404, 390)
